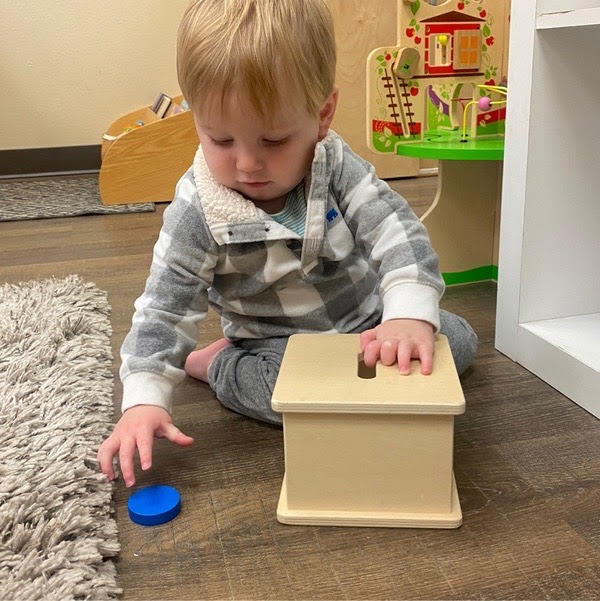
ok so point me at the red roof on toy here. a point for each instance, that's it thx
(452, 17)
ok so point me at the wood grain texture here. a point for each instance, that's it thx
(527, 464)
(144, 164)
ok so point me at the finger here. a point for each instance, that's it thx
(371, 353)
(174, 434)
(404, 353)
(145, 440)
(126, 453)
(426, 357)
(366, 337)
(108, 449)
(388, 352)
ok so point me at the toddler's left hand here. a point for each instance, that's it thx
(399, 340)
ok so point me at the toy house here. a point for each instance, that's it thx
(452, 44)
(366, 447)
(423, 85)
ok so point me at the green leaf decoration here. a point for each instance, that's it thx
(415, 6)
(381, 58)
(380, 71)
(412, 23)
(486, 31)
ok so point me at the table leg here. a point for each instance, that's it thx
(463, 220)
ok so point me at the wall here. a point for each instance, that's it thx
(70, 67)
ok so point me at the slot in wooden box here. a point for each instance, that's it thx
(366, 452)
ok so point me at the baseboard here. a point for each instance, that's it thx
(30, 162)
(24, 162)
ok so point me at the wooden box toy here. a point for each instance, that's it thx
(366, 451)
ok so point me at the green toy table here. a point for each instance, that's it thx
(463, 221)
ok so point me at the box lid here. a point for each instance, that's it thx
(319, 373)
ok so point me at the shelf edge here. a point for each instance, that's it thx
(583, 17)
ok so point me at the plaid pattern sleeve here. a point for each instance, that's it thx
(164, 325)
(391, 237)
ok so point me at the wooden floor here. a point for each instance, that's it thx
(527, 463)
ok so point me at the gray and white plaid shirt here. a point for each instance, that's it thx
(365, 258)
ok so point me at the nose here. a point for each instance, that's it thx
(248, 161)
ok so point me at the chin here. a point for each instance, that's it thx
(265, 194)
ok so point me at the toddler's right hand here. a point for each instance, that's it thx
(137, 428)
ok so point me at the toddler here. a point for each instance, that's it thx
(277, 225)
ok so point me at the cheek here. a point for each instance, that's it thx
(216, 159)
(305, 157)
(286, 165)
(297, 159)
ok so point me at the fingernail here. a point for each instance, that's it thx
(145, 465)
(128, 483)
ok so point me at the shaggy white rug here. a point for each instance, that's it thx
(56, 531)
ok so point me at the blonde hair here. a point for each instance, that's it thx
(266, 49)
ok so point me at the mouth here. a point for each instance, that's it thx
(254, 184)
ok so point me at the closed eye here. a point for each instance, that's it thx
(221, 142)
(276, 142)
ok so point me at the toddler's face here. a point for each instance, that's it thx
(262, 161)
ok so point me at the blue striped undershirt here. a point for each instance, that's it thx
(293, 214)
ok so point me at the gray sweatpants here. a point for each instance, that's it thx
(243, 375)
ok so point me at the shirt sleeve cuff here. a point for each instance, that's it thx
(147, 388)
(412, 301)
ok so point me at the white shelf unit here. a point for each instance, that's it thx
(581, 17)
(548, 313)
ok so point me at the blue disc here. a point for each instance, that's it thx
(154, 505)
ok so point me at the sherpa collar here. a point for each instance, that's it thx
(232, 218)
(219, 203)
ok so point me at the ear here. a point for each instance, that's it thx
(326, 113)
